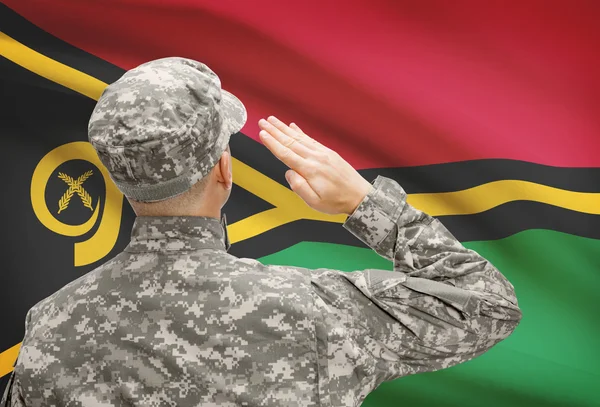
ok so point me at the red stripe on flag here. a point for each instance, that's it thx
(383, 84)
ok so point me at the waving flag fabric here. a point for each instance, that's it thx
(485, 112)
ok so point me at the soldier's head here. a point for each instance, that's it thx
(162, 130)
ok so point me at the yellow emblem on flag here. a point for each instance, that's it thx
(105, 237)
(75, 186)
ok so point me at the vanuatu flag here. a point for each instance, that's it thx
(487, 113)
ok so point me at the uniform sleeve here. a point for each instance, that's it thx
(442, 305)
(13, 394)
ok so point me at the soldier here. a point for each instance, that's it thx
(174, 320)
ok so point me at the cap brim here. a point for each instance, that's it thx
(234, 112)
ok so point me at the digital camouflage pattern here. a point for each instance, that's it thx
(174, 320)
(163, 126)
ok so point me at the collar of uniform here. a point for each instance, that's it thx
(178, 233)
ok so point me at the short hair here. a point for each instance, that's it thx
(177, 205)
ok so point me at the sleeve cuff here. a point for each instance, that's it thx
(378, 213)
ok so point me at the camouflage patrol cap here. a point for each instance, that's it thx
(163, 126)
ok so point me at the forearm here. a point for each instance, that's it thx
(421, 247)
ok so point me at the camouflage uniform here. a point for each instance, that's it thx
(174, 320)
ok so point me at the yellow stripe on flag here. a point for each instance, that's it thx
(8, 358)
(487, 196)
(50, 69)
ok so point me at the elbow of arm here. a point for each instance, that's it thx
(497, 310)
(515, 315)
(498, 325)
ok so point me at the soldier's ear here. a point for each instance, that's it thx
(224, 174)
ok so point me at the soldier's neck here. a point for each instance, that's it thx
(197, 207)
(216, 213)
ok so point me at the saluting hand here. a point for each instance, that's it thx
(323, 179)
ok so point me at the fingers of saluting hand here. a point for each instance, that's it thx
(306, 139)
(283, 153)
(295, 140)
